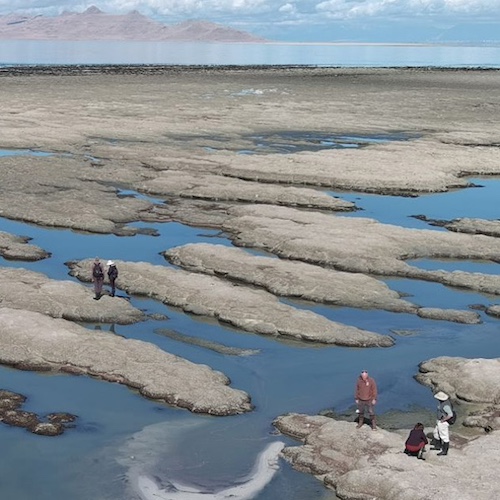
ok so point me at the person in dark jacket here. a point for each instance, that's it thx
(112, 275)
(415, 444)
(366, 398)
(97, 278)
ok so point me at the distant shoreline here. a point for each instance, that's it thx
(155, 69)
(269, 42)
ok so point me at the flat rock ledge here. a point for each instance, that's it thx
(419, 166)
(361, 245)
(205, 186)
(467, 225)
(493, 310)
(256, 311)
(360, 464)
(28, 290)
(474, 383)
(17, 248)
(296, 279)
(33, 341)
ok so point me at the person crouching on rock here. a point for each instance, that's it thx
(366, 398)
(112, 275)
(415, 444)
(97, 278)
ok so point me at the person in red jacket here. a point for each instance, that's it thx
(366, 398)
(415, 444)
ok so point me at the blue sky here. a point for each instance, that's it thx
(309, 20)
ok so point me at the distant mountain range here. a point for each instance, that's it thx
(93, 24)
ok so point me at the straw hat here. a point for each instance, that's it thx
(110, 263)
(442, 396)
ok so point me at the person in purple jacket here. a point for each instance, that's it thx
(415, 444)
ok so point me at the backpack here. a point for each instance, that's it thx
(97, 271)
(452, 419)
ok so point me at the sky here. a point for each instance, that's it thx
(308, 20)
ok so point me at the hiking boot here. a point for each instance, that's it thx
(444, 451)
(436, 444)
(361, 421)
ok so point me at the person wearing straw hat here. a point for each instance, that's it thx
(442, 429)
(112, 275)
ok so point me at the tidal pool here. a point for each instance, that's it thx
(119, 433)
(479, 201)
(23, 152)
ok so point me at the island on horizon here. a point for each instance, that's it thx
(94, 24)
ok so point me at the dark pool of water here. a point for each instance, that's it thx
(93, 460)
(298, 141)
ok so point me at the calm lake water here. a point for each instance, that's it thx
(119, 431)
(195, 53)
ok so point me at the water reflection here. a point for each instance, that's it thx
(43, 52)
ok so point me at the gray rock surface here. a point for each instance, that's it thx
(305, 281)
(360, 245)
(475, 226)
(434, 167)
(65, 192)
(34, 341)
(362, 464)
(106, 145)
(17, 248)
(27, 290)
(467, 317)
(469, 380)
(475, 383)
(289, 278)
(493, 310)
(256, 311)
(220, 188)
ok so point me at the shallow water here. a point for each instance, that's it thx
(13, 52)
(119, 431)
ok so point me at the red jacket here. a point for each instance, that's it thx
(366, 390)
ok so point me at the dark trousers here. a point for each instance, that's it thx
(98, 286)
(364, 406)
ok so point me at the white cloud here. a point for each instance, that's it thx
(208, 8)
(288, 8)
(348, 9)
(264, 14)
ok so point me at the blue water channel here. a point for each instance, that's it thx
(93, 460)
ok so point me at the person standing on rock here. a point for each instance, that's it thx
(112, 275)
(97, 278)
(442, 429)
(366, 398)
